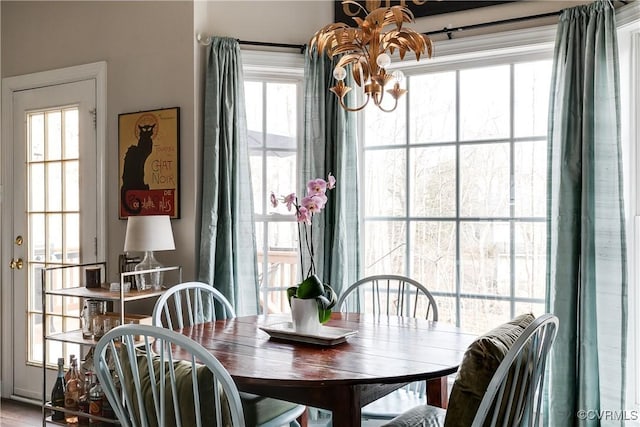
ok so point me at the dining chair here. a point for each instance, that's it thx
(184, 305)
(391, 295)
(161, 377)
(499, 382)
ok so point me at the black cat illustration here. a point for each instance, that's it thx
(133, 171)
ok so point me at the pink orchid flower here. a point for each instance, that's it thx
(274, 200)
(290, 200)
(331, 182)
(316, 186)
(314, 204)
(303, 215)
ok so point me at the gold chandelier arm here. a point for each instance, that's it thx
(342, 104)
(391, 109)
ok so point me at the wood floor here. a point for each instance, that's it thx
(18, 414)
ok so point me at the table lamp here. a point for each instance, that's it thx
(148, 234)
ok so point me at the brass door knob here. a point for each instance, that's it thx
(16, 264)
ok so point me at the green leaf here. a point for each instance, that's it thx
(291, 292)
(323, 315)
(311, 287)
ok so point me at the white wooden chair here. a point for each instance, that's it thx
(392, 295)
(181, 306)
(512, 397)
(193, 392)
(184, 305)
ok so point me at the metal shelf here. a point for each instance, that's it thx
(49, 406)
(75, 336)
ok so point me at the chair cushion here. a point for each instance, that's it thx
(184, 389)
(419, 416)
(480, 362)
(259, 409)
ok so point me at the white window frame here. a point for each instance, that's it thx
(472, 52)
(274, 67)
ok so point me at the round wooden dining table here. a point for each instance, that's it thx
(384, 354)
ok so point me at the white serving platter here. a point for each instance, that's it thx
(327, 335)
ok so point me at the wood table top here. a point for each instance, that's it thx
(385, 349)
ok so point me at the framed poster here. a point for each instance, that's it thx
(148, 150)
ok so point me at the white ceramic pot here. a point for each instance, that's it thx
(304, 313)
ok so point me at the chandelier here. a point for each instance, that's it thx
(365, 49)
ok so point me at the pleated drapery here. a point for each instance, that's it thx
(587, 266)
(330, 145)
(227, 258)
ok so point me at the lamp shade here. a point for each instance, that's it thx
(149, 233)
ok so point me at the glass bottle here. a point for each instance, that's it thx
(95, 403)
(83, 403)
(72, 392)
(57, 394)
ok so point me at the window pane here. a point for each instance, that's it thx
(481, 315)
(530, 259)
(537, 308)
(433, 181)
(72, 238)
(530, 170)
(385, 128)
(71, 186)
(485, 258)
(281, 178)
(36, 187)
(71, 128)
(54, 228)
(283, 264)
(54, 135)
(447, 309)
(433, 254)
(532, 81)
(281, 114)
(36, 137)
(484, 103)
(484, 180)
(257, 182)
(54, 186)
(385, 182)
(432, 99)
(384, 247)
(254, 103)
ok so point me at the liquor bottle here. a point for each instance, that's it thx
(95, 403)
(57, 394)
(83, 403)
(72, 393)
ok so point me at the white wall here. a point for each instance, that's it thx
(149, 49)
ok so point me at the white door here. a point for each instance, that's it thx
(55, 219)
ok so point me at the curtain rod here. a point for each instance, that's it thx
(448, 31)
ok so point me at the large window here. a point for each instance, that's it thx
(273, 112)
(455, 189)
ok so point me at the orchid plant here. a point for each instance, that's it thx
(310, 205)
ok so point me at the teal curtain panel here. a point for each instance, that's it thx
(587, 265)
(227, 258)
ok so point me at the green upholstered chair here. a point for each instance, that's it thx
(181, 305)
(499, 381)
